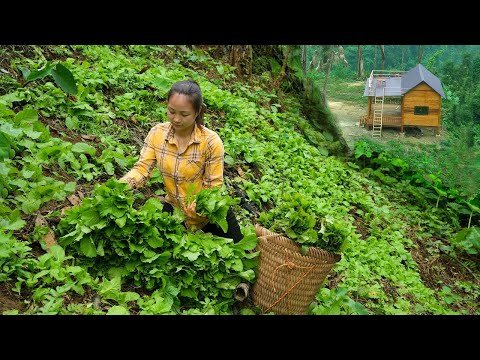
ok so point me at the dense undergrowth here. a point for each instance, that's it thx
(118, 253)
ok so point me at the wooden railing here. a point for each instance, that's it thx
(392, 121)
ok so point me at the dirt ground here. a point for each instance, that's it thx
(348, 119)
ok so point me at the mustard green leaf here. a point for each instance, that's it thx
(248, 242)
(70, 186)
(192, 256)
(90, 217)
(121, 221)
(27, 115)
(32, 134)
(14, 225)
(248, 275)
(31, 206)
(131, 296)
(246, 311)
(6, 112)
(117, 310)
(109, 168)
(100, 248)
(229, 160)
(9, 98)
(4, 169)
(72, 122)
(10, 130)
(236, 264)
(5, 146)
(155, 241)
(108, 287)
(87, 247)
(82, 147)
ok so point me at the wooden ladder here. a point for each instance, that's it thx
(378, 114)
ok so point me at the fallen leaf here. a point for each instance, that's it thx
(49, 237)
(89, 137)
(240, 172)
(74, 200)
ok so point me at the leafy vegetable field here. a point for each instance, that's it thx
(74, 240)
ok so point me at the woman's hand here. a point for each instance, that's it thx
(190, 209)
(133, 184)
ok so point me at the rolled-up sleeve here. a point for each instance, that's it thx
(142, 169)
(214, 163)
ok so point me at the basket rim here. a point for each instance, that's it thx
(313, 251)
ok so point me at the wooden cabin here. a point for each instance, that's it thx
(403, 99)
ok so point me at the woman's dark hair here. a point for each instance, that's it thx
(191, 89)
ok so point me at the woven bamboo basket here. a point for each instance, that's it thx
(287, 281)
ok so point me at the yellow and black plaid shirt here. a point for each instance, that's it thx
(201, 164)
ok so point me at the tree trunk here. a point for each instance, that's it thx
(403, 55)
(250, 61)
(374, 57)
(328, 56)
(382, 49)
(304, 69)
(241, 58)
(314, 61)
(420, 53)
(360, 70)
(279, 79)
(304, 60)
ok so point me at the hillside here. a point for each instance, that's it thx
(118, 253)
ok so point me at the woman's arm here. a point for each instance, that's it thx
(214, 158)
(142, 169)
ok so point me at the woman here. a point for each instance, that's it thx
(189, 156)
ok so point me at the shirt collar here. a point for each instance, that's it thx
(196, 135)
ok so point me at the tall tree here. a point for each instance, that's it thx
(304, 69)
(304, 60)
(314, 60)
(328, 54)
(382, 49)
(241, 58)
(420, 50)
(360, 69)
(279, 79)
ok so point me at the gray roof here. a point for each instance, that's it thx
(420, 74)
(399, 85)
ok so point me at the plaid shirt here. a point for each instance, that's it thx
(201, 164)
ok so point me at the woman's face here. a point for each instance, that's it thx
(180, 112)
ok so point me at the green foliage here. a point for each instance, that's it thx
(151, 248)
(415, 168)
(15, 256)
(468, 240)
(336, 302)
(214, 205)
(296, 218)
(363, 150)
(405, 57)
(115, 243)
(62, 76)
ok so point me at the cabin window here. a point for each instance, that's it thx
(420, 110)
